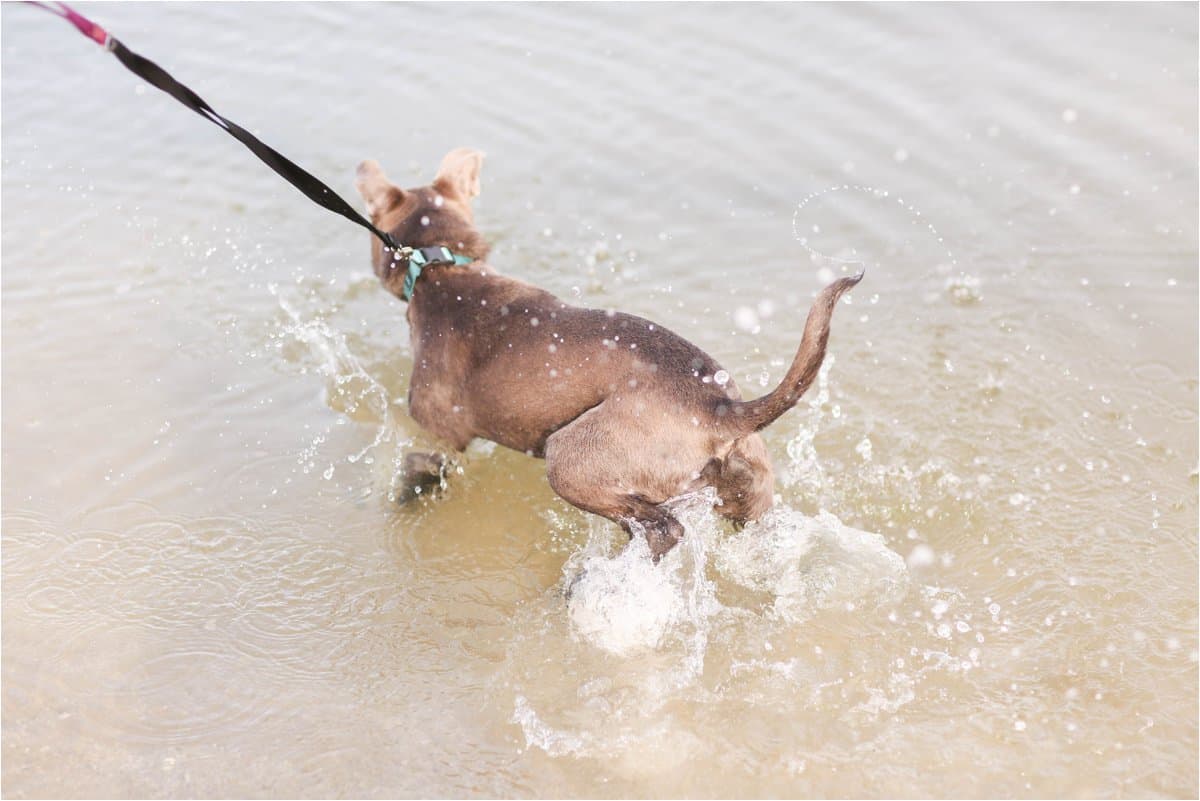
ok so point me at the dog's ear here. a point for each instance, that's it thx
(459, 174)
(378, 192)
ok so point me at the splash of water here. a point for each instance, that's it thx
(876, 193)
(627, 604)
(804, 466)
(638, 635)
(624, 605)
(350, 382)
(808, 564)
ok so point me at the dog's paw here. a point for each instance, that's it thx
(663, 537)
(408, 492)
(423, 475)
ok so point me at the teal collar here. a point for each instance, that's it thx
(420, 258)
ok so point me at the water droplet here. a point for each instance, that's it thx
(921, 556)
(745, 319)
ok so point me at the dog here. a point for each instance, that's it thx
(626, 413)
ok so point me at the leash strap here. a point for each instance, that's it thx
(156, 76)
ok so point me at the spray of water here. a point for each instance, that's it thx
(882, 195)
(669, 626)
(352, 385)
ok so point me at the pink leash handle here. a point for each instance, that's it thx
(88, 28)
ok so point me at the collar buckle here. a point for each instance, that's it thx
(420, 258)
(434, 255)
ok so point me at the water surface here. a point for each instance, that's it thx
(981, 578)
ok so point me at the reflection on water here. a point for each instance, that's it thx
(980, 575)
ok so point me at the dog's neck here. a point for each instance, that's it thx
(419, 260)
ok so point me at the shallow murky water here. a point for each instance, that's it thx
(981, 576)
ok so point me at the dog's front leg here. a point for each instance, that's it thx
(433, 407)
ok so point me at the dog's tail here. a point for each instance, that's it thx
(755, 415)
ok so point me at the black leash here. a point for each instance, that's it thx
(156, 76)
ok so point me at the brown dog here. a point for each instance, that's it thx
(626, 413)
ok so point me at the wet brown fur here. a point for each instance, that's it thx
(625, 412)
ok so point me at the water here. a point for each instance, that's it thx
(981, 577)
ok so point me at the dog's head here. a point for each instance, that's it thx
(438, 214)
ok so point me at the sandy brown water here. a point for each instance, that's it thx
(981, 578)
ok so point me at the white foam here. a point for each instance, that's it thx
(623, 604)
(626, 604)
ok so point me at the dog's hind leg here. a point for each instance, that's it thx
(633, 513)
(744, 480)
(588, 469)
(660, 528)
